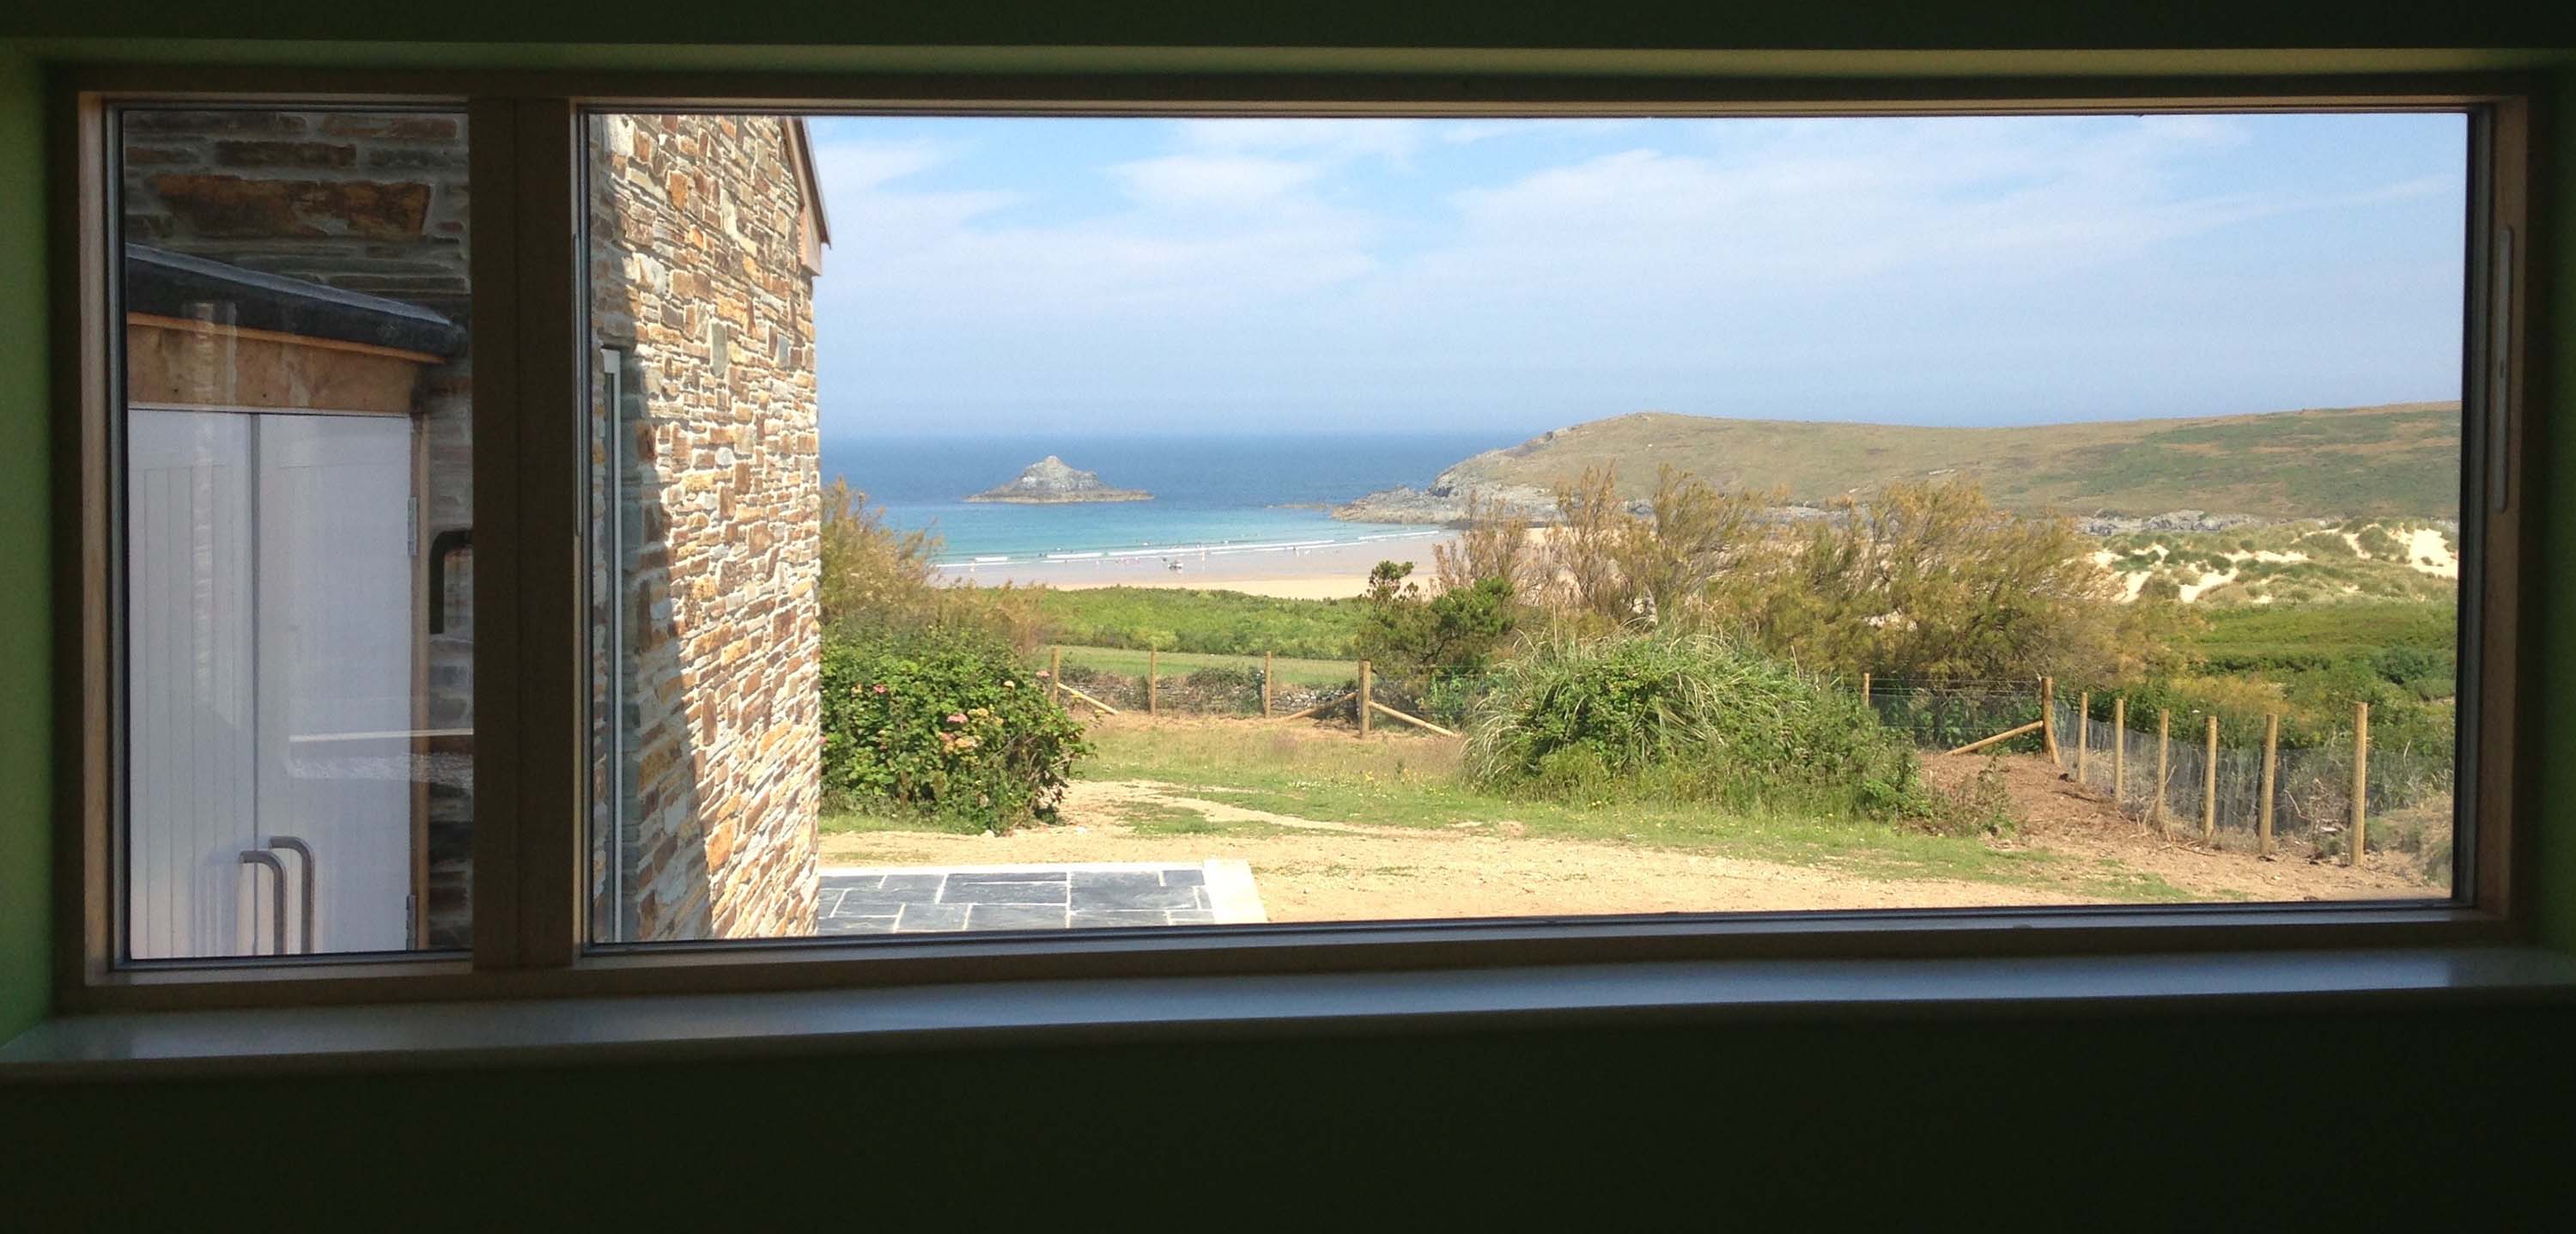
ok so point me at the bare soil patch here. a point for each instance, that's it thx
(1318, 870)
(1308, 870)
(2059, 816)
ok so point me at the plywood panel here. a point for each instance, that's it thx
(172, 362)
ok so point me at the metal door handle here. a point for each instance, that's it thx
(305, 851)
(277, 894)
(441, 547)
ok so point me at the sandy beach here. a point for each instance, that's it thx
(1323, 572)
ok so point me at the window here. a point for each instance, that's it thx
(297, 583)
(2000, 511)
(946, 537)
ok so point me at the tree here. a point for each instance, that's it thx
(1415, 639)
(1691, 535)
(869, 568)
(1931, 581)
(1493, 544)
(1654, 568)
(874, 575)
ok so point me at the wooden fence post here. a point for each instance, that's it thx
(2119, 747)
(2083, 731)
(1864, 689)
(1153, 678)
(2047, 722)
(2360, 776)
(2271, 762)
(1365, 700)
(1265, 685)
(2164, 735)
(2209, 784)
(1055, 674)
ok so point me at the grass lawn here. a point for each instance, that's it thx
(1186, 619)
(1403, 781)
(1129, 663)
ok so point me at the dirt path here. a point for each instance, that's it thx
(1312, 870)
(1318, 871)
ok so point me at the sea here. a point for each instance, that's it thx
(1213, 495)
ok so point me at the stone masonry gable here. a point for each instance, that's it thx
(703, 300)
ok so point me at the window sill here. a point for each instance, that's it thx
(543, 1031)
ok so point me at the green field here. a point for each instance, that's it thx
(2399, 460)
(1130, 663)
(2294, 638)
(1207, 622)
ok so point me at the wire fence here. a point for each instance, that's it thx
(2187, 790)
(1195, 684)
(1952, 713)
(2177, 781)
(2218, 793)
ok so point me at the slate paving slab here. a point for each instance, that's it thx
(925, 918)
(1005, 893)
(1015, 917)
(928, 900)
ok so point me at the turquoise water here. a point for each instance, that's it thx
(1213, 496)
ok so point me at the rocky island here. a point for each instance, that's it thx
(1050, 481)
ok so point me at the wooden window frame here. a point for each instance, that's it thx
(528, 340)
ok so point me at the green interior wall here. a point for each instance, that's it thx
(26, 627)
(2354, 1110)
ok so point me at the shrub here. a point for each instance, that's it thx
(1622, 565)
(2376, 542)
(1216, 688)
(2325, 544)
(874, 576)
(1414, 639)
(1690, 716)
(1981, 802)
(1931, 581)
(945, 722)
(1116, 689)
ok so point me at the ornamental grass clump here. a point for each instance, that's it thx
(945, 723)
(1690, 717)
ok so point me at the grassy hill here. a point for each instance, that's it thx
(2398, 460)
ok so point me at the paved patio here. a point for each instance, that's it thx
(935, 899)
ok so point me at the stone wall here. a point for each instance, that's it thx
(702, 302)
(373, 202)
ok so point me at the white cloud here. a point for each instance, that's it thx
(1326, 140)
(1770, 268)
(858, 165)
(1189, 181)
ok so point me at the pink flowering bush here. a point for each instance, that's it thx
(944, 722)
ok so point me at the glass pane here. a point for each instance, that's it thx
(1050, 523)
(297, 500)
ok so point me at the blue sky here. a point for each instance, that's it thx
(1152, 275)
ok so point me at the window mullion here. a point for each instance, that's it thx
(530, 648)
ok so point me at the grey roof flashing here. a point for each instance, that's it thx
(168, 284)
